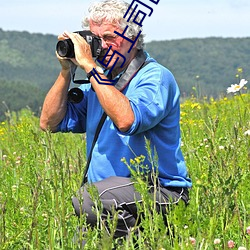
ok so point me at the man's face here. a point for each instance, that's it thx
(106, 32)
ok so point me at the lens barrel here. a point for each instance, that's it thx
(65, 48)
(75, 95)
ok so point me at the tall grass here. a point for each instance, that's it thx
(40, 172)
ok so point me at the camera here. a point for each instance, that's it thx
(65, 48)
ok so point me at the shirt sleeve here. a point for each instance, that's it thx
(75, 117)
(153, 97)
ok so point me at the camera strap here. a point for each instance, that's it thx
(97, 132)
(136, 64)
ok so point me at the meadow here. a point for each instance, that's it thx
(40, 172)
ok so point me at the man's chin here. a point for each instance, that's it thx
(104, 58)
(106, 61)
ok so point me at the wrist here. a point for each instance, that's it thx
(89, 68)
(95, 70)
(65, 73)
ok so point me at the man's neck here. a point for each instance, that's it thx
(118, 70)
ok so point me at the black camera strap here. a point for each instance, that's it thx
(136, 64)
(97, 132)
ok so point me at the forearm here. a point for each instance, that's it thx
(55, 103)
(115, 104)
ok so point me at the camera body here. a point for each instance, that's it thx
(65, 48)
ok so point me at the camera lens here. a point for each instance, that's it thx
(75, 95)
(65, 48)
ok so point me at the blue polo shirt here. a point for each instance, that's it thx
(154, 97)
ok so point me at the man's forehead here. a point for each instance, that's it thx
(103, 27)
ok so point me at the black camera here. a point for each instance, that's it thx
(65, 48)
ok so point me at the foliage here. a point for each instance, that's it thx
(40, 172)
(14, 95)
(208, 62)
(204, 64)
(28, 68)
(28, 58)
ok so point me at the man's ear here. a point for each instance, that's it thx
(135, 44)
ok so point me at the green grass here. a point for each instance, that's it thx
(40, 172)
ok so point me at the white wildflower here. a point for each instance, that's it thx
(236, 87)
(247, 133)
(217, 241)
(242, 248)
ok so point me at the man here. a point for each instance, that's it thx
(142, 105)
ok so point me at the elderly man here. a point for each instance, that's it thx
(140, 98)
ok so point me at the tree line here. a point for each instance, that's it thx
(202, 67)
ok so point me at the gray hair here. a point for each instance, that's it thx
(113, 11)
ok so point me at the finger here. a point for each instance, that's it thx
(75, 37)
(66, 33)
(69, 60)
(69, 34)
(62, 36)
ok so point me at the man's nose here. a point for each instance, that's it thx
(104, 44)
